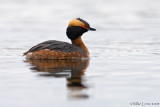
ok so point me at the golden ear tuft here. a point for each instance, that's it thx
(76, 22)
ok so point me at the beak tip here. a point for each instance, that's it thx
(92, 29)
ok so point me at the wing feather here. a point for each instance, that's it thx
(53, 45)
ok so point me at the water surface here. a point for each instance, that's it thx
(125, 54)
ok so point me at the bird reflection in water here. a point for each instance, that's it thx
(72, 70)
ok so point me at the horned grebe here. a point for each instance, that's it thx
(53, 49)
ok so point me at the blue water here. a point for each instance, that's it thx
(124, 68)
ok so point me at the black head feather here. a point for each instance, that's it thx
(85, 22)
(75, 31)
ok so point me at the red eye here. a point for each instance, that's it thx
(84, 27)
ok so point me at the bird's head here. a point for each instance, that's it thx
(77, 27)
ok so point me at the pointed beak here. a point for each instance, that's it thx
(92, 29)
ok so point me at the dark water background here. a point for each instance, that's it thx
(125, 54)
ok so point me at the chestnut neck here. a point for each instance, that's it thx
(78, 41)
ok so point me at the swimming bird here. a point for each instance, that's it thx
(53, 49)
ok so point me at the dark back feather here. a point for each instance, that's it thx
(57, 46)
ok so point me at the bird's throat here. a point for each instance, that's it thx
(78, 41)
